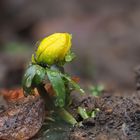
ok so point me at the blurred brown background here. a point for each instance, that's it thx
(106, 38)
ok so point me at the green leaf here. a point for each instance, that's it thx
(65, 115)
(58, 86)
(82, 112)
(74, 84)
(94, 112)
(34, 75)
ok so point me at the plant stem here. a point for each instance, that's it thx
(45, 96)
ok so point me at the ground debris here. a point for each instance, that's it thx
(118, 119)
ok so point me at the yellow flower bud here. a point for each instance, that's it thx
(53, 48)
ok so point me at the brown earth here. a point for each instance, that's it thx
(118, 118)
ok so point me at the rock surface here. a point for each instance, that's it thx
(23, 117)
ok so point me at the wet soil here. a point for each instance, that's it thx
(118, 118)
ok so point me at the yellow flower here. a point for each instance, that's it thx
(53, 48)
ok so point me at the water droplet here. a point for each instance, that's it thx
(82, 90)
(68, 58)
(56, 103)
(38, 72)
(61, 102)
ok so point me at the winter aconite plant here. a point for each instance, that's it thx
(46, 74)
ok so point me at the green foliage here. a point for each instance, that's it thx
(34, 76)
(94, 112)
(69, 57)
(87, 114)
(96, 90)
(47, 63)
(58, 86)
(83, 113)
(73, 83)
(66, 116)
